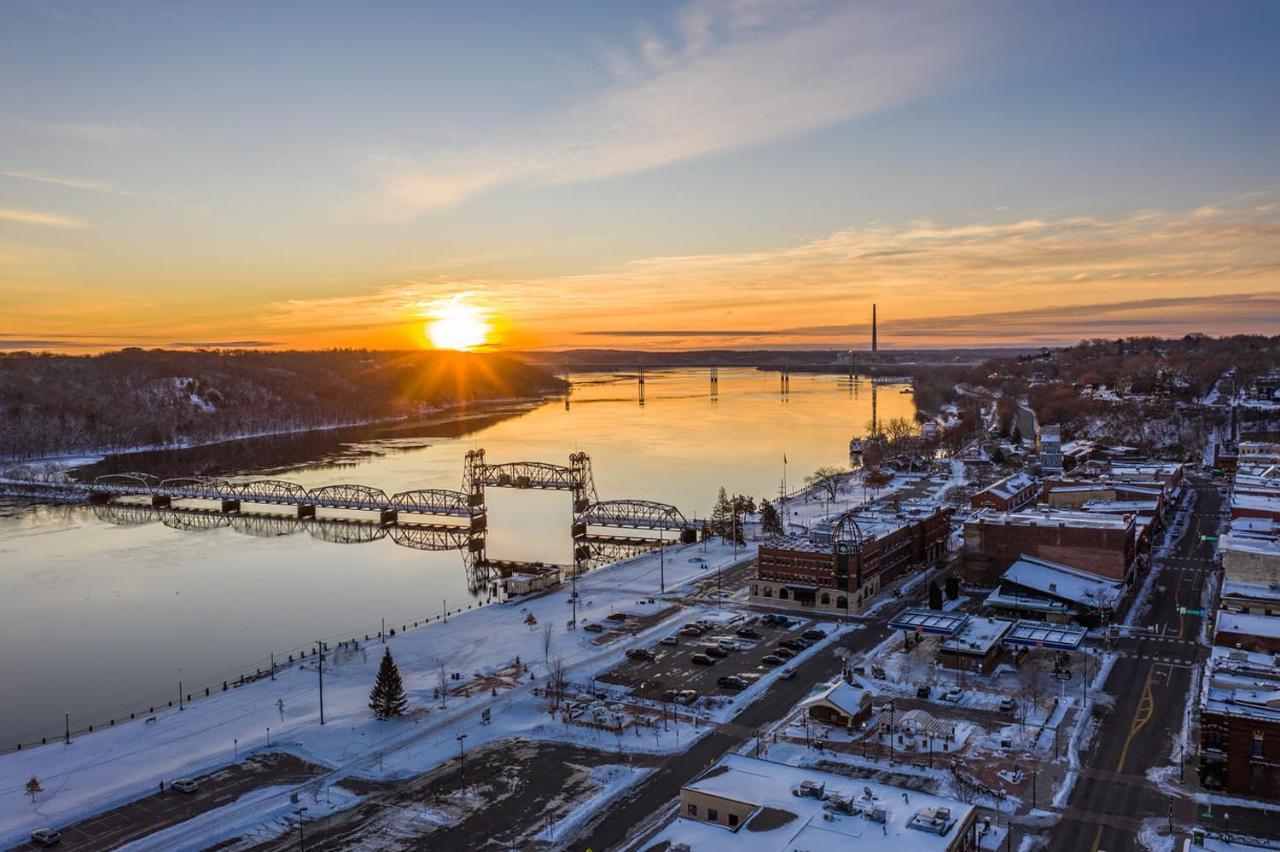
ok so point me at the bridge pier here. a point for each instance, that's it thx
(479, 523)
(229, 506)
(388, 517)
(688, 535)
(97, 498)
(160, 501)
(306, 510)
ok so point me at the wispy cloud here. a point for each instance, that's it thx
(734, 73)
(36, 217)
(1025, 280)
(67, 181)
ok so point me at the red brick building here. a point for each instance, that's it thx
(842, 575)
(1007, 495)
(1105, 545)
(1240, 724)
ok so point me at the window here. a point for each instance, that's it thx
(712, 814)
(768, 592)
(842, 602)
(826, 599)
(1258, 741)
(693, 810)
(733, 819)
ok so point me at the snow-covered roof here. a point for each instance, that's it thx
(1242, 683)
(978, 636)
(1251, 591)
(1033, 634)
(848, 698)
(1061, 581)
(1001, 599)
(1010, 486)
(1249, 624)
(1256, 502)
(929, 621)
(1050, 518)
(908, 814)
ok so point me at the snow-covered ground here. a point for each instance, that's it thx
(116, 765)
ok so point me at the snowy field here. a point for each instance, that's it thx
(116, 765)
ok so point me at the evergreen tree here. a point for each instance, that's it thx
(387, 698)
(935, 595)
(722, 515)
(770, 521)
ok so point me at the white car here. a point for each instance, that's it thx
(185, 785)
(46, 837)
(954, 694)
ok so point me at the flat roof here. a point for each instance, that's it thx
(1242, 683)
(1024, 601)
(929, 621)
(1050, 518)
(978, 636)
(1267, 626)
(912, 819)
(1252, 591)
(1037, 634)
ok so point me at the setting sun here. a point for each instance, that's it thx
(458, 324)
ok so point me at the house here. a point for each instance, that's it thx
(1240, 724)
(845, 704)
(1007, 495)
(1055, 592)
(785, 808)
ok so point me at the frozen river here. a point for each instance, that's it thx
(103, 613)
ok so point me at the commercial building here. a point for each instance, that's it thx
(1247, 632)
(1007, 495)
(975, 647)
(1051, 460)
(1240, 724)
(1037, 588)
(784, 808)
(1099, 544)
(845, 704)
(839, 567)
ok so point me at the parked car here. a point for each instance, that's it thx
(922, 692)
(794, 644)
(670, 694)
(772, 660)
(185, 785)
(669, 640)
(1007, 705)
(687, 696)
(46, 837)
(691, 630)
(954, 694)
(715, 651)
(639, 654)
(784, 653)
(748, 633)
(787, 674)
(876, 672)
(814, 635)
(729, 645)
(593, 628)
(731, 682)
(702, 660)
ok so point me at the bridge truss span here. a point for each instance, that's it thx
(437, 502)
(348, 496)
(635, 515)
(271, 491)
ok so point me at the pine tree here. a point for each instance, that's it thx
(770, 521)
(721, 514)
(387, 698)
(33, 787)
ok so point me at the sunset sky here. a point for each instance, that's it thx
(643, 175)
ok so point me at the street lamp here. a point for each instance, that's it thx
(302, 841)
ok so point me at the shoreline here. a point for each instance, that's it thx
(445, 414)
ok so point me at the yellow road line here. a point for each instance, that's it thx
(1141, 715)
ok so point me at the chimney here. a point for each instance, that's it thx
(873, 327)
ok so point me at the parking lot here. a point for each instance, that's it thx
(672, 667)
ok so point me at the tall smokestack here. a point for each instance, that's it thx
(873, 328)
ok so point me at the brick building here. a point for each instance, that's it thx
(1247, 631)
(840, 571)
(1240, 724)
(1007, 495)
(1105, 545)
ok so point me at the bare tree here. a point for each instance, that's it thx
(826, 479)
(546, 644)
(875, 479)
(557, 677)
(442, 682)
(1031, 684)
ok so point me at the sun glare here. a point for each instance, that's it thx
(458, 324)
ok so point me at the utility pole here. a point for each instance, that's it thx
(662, 566)
(462, 759)
(320, 672)
(302, 841)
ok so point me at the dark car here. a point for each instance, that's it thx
(715, 651)
(772, 660)
(794, 644)
(639, 654)
(593, 628)
(731, 682)
(702, 660)
(748, 633)
(922, 692)
(813, 635)
(784, 653)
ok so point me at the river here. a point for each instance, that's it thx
(103, 612)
